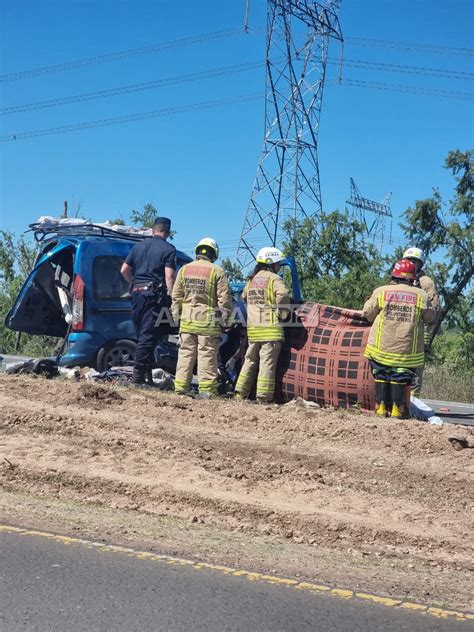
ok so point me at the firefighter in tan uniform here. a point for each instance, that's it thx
(395, 347)
(203, 303)
(265, 293)
(427, 284)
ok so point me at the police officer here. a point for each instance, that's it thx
(150, 269)
(395, 347)
(203, 303)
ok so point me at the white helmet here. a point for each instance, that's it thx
(270, 255)
(207, 242)
(414, 253)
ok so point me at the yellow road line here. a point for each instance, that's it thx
(342, 593)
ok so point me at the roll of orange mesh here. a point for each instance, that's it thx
(322, 360)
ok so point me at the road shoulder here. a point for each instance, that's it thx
(347, 576)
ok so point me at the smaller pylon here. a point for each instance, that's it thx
(375, 226)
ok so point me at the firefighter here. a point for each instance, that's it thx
(265, 294)
(150, 270)
(203, 304)
(395, 347)
(427, 284)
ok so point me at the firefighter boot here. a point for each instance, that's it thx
(382, 397)
(139, 372)
(398, 392)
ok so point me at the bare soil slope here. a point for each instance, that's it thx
(387, 504)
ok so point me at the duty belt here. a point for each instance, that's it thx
(147, 287)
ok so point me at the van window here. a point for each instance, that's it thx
(108, 283)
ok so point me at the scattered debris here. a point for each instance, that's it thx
(37, 366)
(299, 402)
(459, 443)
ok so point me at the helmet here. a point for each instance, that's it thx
(269, 255)
(404, 269)
(414, 253)
(205, 244)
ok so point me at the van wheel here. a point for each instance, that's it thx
(119, 353)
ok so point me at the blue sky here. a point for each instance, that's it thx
(198, 167)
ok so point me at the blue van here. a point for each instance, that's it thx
(76, 292)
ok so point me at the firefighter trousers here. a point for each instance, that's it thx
(261, 361)
(204, 349)
(418, 381)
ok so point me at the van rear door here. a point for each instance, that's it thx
(106, 308)
(38, 309)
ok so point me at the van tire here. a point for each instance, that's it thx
(118, 353)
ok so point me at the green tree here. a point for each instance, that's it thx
(446, 230)
(146, 218)
(335, 264)
(232, 270)
(17, 257)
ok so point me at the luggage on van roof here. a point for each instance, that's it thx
(46, 225)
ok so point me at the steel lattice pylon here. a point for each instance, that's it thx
(374, 227)
(287, 181)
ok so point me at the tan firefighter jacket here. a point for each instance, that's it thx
(427, 284)
(201, 298)
(398, 313)
(265, 295)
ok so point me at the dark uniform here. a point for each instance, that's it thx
(148, 260)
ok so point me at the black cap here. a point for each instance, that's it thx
(163, 222)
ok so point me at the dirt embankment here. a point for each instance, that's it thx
(324, 494)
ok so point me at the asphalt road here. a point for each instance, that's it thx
(49, 586)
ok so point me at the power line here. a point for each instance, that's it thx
(216, 72)
(197, 39)
(411, 46)
(209, 104)
(127, 89)
(118, 120)
(401, 68)
(224, 244)
(436, 49)
(118, 56)
(469, 96)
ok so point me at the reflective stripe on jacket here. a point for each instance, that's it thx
(265, 294)
(201, 298)
(398, 313)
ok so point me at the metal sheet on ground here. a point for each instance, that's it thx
(453, 412)
(11, 359)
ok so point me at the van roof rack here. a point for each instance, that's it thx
(43, 229)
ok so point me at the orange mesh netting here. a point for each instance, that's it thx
(322, 360)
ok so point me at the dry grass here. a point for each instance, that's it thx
(442, 382)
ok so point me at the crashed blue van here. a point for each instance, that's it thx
(76, 292)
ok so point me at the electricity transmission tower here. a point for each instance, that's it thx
(287, 182)
(375, 226)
